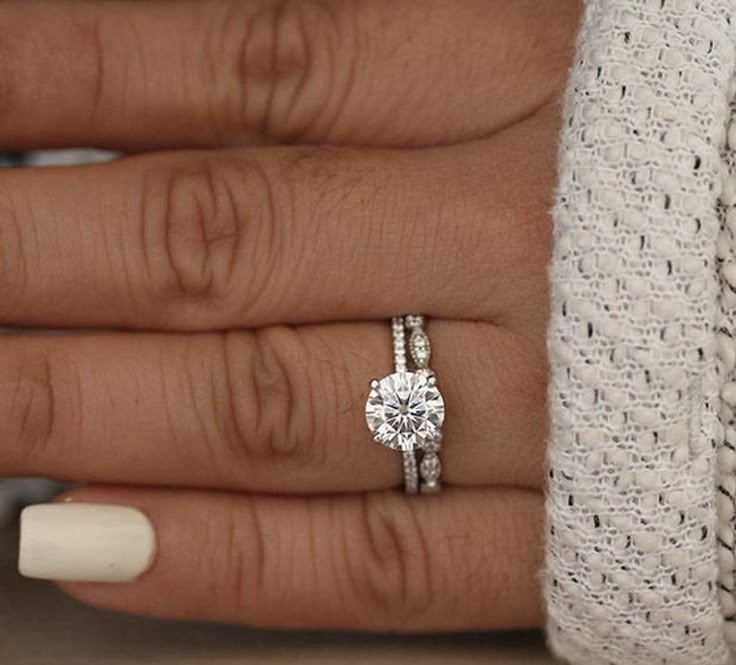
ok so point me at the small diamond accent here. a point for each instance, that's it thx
(430, 467)
(413, 321)
(420, 348)
(405, 410)
(433, 445)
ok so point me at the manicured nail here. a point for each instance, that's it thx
(85, 542)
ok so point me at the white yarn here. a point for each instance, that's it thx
(640, 540)
(726, 369)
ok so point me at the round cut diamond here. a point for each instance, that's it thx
(405, 410)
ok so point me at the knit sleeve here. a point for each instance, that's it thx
(641, 451)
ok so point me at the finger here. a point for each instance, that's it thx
(466, 559)
(251, 237)
(279, 410)
(134, 75)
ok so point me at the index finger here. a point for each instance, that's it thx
(143, 75)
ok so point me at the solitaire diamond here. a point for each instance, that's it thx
(405, 410)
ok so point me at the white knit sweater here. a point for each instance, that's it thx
(642, 457)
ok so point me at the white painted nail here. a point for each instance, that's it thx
(85, 542)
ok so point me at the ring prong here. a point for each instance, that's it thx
(377, 437)
(375, 383)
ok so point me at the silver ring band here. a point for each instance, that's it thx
(405, 410)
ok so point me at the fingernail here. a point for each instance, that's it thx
(85, 542)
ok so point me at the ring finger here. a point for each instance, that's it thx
(278, 410)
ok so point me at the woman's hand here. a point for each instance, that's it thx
(248, 281)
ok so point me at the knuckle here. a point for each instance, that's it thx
(14, 268)
(285, 66)
(195, 215)
(226, 547)
(279, 45)
(261, 561)
(212, 235)
(271, 404)
(32, 394)
(395, 578)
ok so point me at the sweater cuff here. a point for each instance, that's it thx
(639, 559)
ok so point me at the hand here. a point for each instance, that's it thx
(335, 163)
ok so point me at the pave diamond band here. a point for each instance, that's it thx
(405, 410)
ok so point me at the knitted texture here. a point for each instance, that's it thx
(726, 368)
(637, 346)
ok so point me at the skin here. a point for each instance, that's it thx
(297, 173)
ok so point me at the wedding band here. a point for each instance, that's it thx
(405, 410)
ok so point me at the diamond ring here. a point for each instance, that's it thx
(405, 410)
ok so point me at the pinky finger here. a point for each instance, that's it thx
(467, 559)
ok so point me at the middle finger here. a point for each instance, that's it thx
(252, 237)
